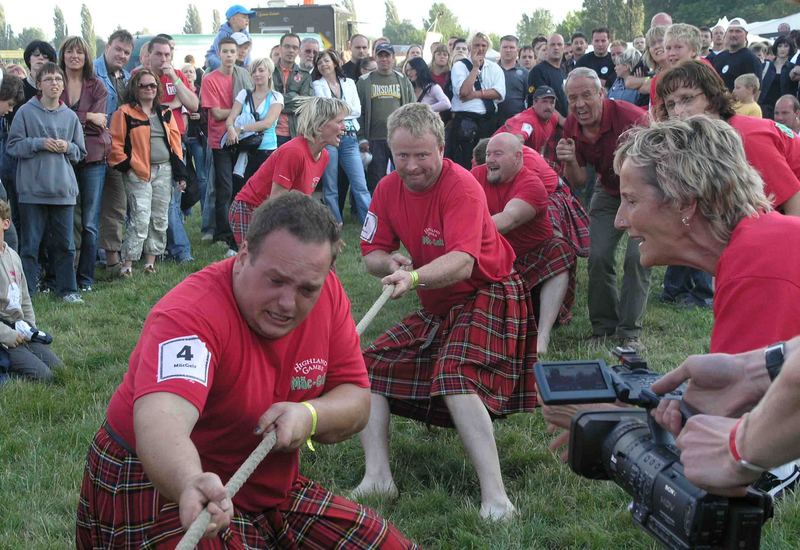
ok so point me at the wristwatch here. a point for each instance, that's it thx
(774, 356)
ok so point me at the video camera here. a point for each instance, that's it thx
(630, 448)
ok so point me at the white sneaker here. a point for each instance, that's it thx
(230, 253)
(207, 237)
(779, 480)
(73, 298)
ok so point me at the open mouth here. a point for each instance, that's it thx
(278, 318)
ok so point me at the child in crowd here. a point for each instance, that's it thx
(47, 138)
(745, 90)
(23, 349)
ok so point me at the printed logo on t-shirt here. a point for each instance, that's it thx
(370, 227)
(432, 237)
(603, 70)
(314, 182)
(309, 374)
(725, 69)
(186, 357)
(385, 91)
(170, 88)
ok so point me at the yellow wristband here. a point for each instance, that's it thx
(414, 280)
(311, 408)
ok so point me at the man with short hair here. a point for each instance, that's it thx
(705, 41)
(516, 78)
(447, 364)
(538, 126)
(478, 86)
(256, 344)
(460, 50)
(738, 59)
(640, 44)
(218, 95)
(579, 45)
(177, 95)
(549, 73)
(381, 93)
(527, 57)
(109, 68)
(661, 19)
(717, 42)
(309, 48)
(784, 29)
(237, 20)
(599, 60)
(787, 112)
(243, 46)
(293, 82)
(519, 205)
(591, 133)
(359, 49)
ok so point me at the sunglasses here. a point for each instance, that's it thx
(151, 86)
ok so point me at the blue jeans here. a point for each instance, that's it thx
(178, 246)
(57, 223)
(90, 188)
(689, 284)
(347, 155)
(196, 152)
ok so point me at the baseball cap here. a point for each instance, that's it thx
(238, 8)
(241, 38)
(737, 23)
(384, 47)
(544, 91)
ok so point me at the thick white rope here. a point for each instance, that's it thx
(199, 525)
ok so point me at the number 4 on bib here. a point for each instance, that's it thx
(186, 357)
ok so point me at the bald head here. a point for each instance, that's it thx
(503, 158)
(660, 19)
(787, 112)
(555, 49)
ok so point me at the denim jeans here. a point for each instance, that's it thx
(347, 155)
(201, 159)
(687, 283)
(90, 194)
(223, 187)
(178, 246)
(56, 222)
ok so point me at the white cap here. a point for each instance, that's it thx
(241, 38)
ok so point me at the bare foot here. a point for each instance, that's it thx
(498, 511)
(542, 342)
(378, 487)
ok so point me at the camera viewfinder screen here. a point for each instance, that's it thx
(575, 377)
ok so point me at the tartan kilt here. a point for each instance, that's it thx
(546, 261)
(239, 215)
(120, 508)
(486, 346)
(569, 218)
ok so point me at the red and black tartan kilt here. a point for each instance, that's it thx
(569, 218)
(486, 346)
(120, 508)
(546, 261)
(239, 215)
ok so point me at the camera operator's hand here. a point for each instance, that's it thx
(707, 459)
(719, 384)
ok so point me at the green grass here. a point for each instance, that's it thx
(45, 430)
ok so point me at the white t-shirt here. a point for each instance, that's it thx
(490, 76)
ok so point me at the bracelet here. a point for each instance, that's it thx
(735, 452)
(414, 280)
(311, 408)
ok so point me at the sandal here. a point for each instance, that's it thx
(149, 269)
(126, 272)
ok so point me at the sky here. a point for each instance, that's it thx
(168, 16)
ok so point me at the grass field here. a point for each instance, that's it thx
(45, 431)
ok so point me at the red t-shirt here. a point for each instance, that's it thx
(774, 151)
(618, 116)
(217, 93)
(757, 289)
(196, 344)
(169, 91)
(449, 216)
(525, 186)
(534, 162)
(290, 166)
(528, 125)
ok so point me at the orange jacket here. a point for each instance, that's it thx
(130, 147)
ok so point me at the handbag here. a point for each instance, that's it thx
(253, 141)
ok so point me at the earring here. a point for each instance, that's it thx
(685, 221)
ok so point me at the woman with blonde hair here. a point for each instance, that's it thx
(296, 165)
(86, 96)
(261, 108)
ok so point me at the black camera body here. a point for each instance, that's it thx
(628, 447)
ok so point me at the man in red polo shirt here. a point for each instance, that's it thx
(519, 203)
(263, 342)
(538, 126)
(591, 133)
(468, 354)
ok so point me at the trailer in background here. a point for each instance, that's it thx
(333, 23)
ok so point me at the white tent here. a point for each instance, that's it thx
(770, 28)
